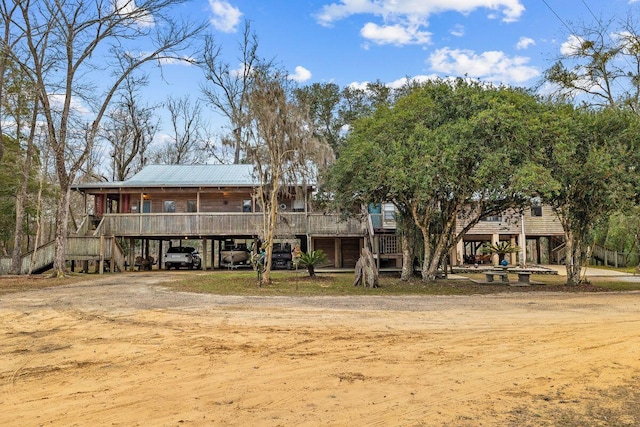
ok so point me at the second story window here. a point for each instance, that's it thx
(389, 212)
(247, 206)
(536, 207)
(192, 206)
(169, 206)
(492, 218)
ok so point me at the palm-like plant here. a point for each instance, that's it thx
(311, 260)
(500, 248)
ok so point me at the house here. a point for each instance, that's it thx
(216, 205)
(538, 226)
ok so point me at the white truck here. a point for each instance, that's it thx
(182, 256)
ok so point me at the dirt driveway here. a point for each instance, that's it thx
(105, 353)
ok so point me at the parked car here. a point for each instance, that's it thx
(182, 256)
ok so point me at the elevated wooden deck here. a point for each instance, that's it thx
(224, 224)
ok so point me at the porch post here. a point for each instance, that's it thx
(495, 239)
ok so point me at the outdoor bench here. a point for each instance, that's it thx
(523, 277)
(504, 278)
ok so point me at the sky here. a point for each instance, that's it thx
(355, 41)
(352, 42)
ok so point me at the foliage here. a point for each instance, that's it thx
(282, 147)
(583, 173)
(444, 151)
(600, 65)
(500, 248)
(312, 259)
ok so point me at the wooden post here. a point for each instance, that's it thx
(101, 259)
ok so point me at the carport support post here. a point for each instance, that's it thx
(495, 239)
(205, 254)
(160, 254)
(132, 246)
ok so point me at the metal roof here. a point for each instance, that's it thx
(193, 175)
(183, 176)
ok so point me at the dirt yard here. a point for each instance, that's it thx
(106, 353)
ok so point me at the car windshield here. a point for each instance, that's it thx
(180, 250)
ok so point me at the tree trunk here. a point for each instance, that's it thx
(573, 259)
(21, 197)
(407, 259)
(59, 262)
(366, 271)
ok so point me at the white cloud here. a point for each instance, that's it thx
(394, 34)
(57, 103)
(301, 74)
(493, 66)
(128, 8)
(403, 21)
(572, 45)
(225, 17)
(457, 31)
(396, 84)
(511, 10)
(525, 43)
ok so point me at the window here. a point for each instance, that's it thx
(169, 206)
(298, 205)
(389, 212)
(492, 218)
(536, 206)
(192, 206)
(247, 206)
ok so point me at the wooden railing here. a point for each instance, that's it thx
(609, 257)
(77, 248)
(225, 224)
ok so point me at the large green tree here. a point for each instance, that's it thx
(582, 170)
(445, 151)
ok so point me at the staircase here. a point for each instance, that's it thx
(78, 248)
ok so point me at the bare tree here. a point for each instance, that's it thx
(189, 133)
(78, 53)
(227, 88)
(8, 41)
(282, 147)
(129, 130)
(600, 65)
(22, 106)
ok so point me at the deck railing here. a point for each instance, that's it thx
(225, 224)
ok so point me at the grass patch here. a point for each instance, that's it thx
(296, 283)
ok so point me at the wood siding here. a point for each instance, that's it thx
(545, 225)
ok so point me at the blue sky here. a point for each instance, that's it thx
(356, 41)
(351, 42)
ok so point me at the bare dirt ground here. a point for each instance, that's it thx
(108, 353)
